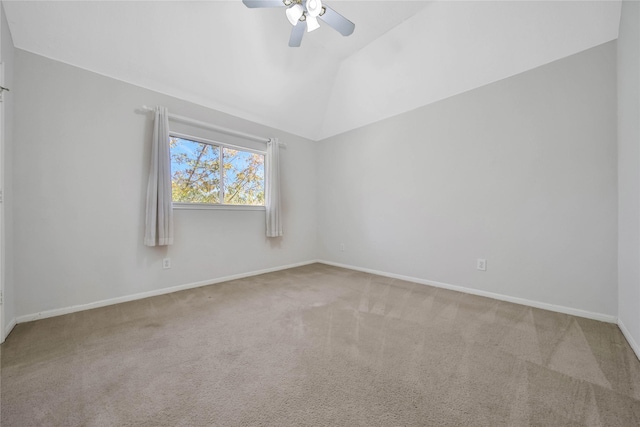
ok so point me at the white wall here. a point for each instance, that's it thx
(521, 172)
(629, 172)
(80, 173)
(6, 57)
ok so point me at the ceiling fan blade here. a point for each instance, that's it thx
(337, 21)
(296, 34)
(263, 3)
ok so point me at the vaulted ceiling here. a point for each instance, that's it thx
(220, 54)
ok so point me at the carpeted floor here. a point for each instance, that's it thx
(318, 346)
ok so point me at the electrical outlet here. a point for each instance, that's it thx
(341, 247)
(481, 264)
(166, 263)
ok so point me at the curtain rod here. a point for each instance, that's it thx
(209, 126)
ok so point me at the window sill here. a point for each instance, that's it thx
(200, 206)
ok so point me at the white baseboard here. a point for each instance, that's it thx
(102, 303)
(634, 345)
(7, 330)
(142, 295)
(537, 304)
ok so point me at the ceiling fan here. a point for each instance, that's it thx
(304, 14)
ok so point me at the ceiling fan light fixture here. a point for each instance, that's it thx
(294, 13)
(287, 2)
(314, 7)
(312, 23)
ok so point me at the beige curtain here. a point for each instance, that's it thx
(159, 218)
(272, 196)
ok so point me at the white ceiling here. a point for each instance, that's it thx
(220, 54)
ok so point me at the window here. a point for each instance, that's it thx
(208, 173)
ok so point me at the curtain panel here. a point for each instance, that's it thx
(159, 214)
(272, 196)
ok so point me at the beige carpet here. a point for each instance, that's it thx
(318, 346)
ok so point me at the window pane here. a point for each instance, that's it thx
(195, 171)
(243, 177)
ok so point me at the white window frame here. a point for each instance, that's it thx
(221, 146)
